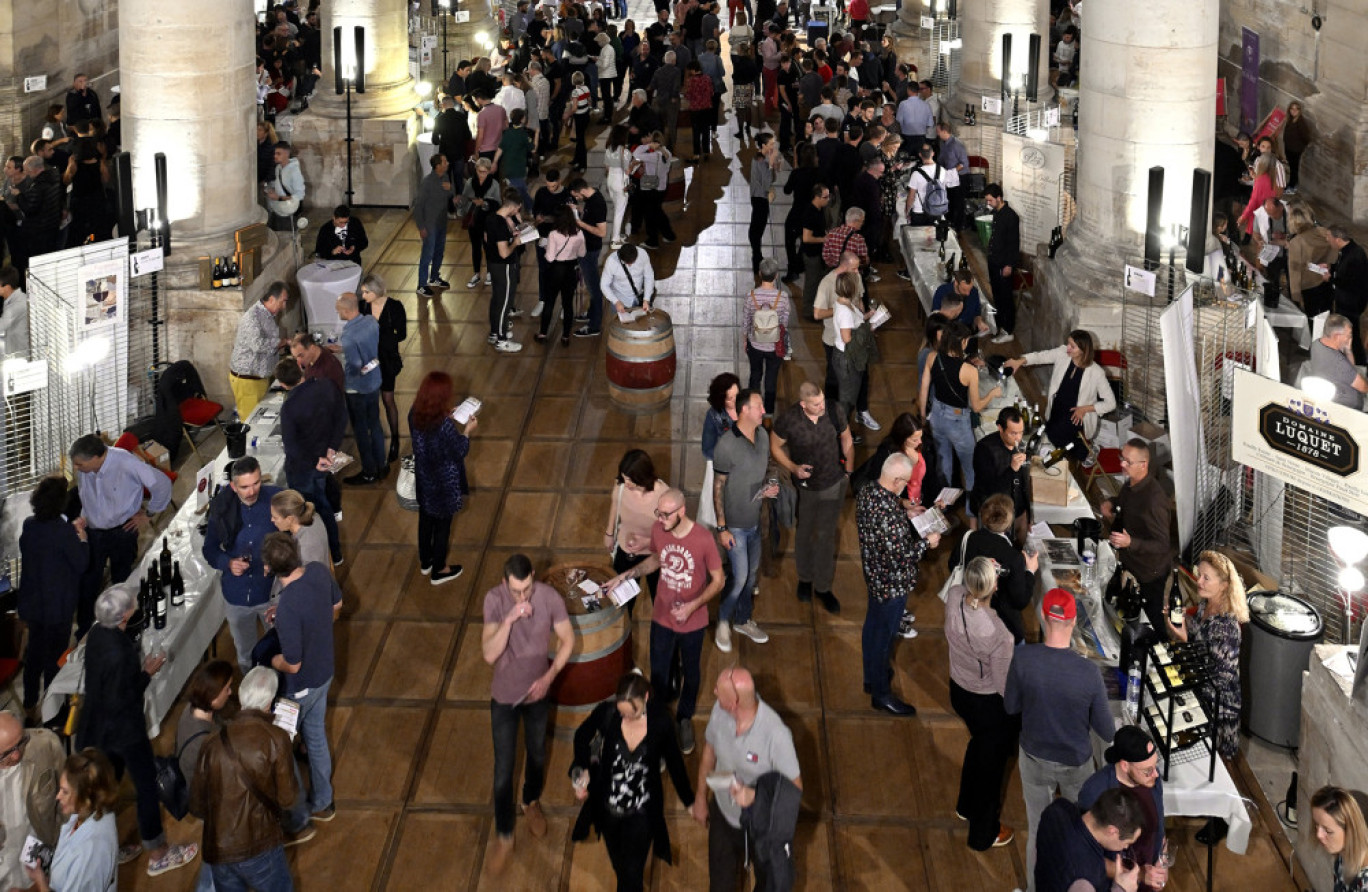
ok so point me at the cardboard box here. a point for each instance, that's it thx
(158, 454)
(1049, 486)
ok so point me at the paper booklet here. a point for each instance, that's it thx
(930, 521)
(949, 496)
(879, 316)
(1269, 254)
(619, 596)
(631, 315)
(287, 716)
(468, 409)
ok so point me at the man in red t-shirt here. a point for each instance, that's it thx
(690, 576)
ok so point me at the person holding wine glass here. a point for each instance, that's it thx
(1341, 830)
(1079, 393)
(1133, 763)
(1216, 627)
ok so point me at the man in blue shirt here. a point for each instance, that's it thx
(111, 483)
(914, 119)
(1082, 849)
(971, 305)
(239, 519)
(360, 361)
(310, 602)
(313, 421)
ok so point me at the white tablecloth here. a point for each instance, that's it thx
(425, 152)
(191, 627)
(921, 252)
(321, 282)
(1289, 316)
(1097, 633)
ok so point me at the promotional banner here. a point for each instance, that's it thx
(1313, 445)
(1031, 174)
(1249, 81)
(1184, 403)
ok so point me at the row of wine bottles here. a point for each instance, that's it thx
(1241, 277)
(227, 274)
(162, 588)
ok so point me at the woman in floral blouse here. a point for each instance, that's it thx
(1341, 831)
(1216, 626)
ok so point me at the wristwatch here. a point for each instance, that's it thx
(722, 529)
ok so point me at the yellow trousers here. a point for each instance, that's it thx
(247, 392)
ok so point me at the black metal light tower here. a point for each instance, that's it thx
(344, 81)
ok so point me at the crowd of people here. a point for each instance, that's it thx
(863, 147)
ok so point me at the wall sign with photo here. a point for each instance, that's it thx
(103, 292)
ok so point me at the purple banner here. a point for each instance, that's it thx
(1249, 82)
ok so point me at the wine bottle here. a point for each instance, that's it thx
(237, 273)
(941, 252)
(161, 607)
(1176, 606)
(144, 590)
(218, 273)
(164, 565)
(1056, 456)
(964, 261)
(177, 586)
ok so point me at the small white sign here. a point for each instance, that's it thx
(1139, 280)
(461, 16)
(425, 57)
(144, 262)
(35, 84)
(23, 376)
(992, 105)
(1051, 117)
(928, 22)
(429, 41)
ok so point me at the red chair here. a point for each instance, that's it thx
(180, 388)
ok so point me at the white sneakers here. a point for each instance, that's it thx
(1003, 337)
(723, 636)
(507, 345)
(868, 421)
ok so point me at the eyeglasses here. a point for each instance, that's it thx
(1125, 462)
(665, 515)
(18, 747)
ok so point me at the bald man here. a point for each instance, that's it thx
(747, 739)
(359, 349)
(690, 576)
(30, 766)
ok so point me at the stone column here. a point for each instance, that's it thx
(1146, 98)
(981, 27)
(383, 123)
(188, 88)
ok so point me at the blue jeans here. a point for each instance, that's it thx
(313, 486)
(589, 272)
(267, 872)
(431, 256)
(520, 183)
(954, 435)
(313, 714)
(364, 409)
(503, 720)
(880, 627)
(664, 640)
(745, 565)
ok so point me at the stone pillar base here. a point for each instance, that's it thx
(202, 324)
(1069, 295)
(384, 161)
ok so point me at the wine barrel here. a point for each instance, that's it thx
(602, 654)
(641, 363)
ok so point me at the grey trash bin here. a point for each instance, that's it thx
(1282, 631)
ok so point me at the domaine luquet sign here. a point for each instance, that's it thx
(1316, 446)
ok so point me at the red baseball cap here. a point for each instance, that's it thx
(1058, 604)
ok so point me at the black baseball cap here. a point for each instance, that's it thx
(1131, 744)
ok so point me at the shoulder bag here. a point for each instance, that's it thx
(406, 485)
(956, 576)
(172, 789)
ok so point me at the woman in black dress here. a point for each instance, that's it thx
(616, 774)
(393, 329)
(54, 554)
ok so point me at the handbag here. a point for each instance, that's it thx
(406, 485)
(172, 788)
(956, 576)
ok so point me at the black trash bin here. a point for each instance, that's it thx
(1282, 631)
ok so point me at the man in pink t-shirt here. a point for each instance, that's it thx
(520, 617)
(690, 576)
(490, 124)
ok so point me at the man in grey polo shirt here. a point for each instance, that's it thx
(739, 467)
(1333, 360)
(746, 738)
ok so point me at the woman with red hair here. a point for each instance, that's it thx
(439, 452)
